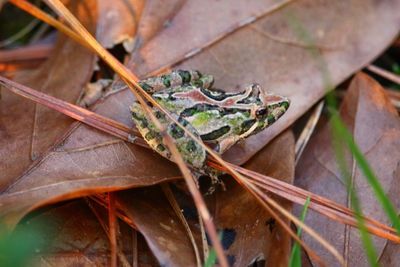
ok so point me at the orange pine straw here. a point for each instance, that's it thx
(112, 228)
(292, 193)
(119, 68)
(282, 189)
(223, 163)
(132, 80)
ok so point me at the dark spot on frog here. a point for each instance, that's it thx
(246, 125)
(143, 121)
(191, 146)
(159, 115)
(271, 223)
(171, 96)
(145, 86)
(183, 121)
(216, 133)
(161, 148)
(176, 132)
(271, 119)
(166, 79)
(149, 136)
(198, 83)
(185, 75)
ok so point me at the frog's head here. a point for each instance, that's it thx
(270, 108)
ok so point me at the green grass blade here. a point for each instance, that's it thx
(337, 127)
(295, 256)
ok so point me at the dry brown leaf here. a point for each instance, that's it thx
(270, 51)
(86, 162)
(156, 16)
(27, 130)
(236, 213)
(250, 231)
(89, 162)
(73, 236)
(194, 25)
(118, 22)
(375, 124)
(159, 224)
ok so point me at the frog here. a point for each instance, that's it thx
(220, 119)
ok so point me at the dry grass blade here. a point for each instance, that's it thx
(32, 52)
(102, 201)
(287, 191)
(129, 76)
(384, 73)
(35, 11)
(170, 196)
(100, 218)
(308, 130)
(83, 115)
(131, 79)
(394, 97)
(322, 205)
(113, 229)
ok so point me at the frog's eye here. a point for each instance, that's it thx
(261, 112)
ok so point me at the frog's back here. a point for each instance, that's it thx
(202, 108)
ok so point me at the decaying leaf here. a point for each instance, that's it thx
(237, 214)
(27, 129)
(159, 224)
(86, 162)
(72, 235)
(375, 124)
(251, 233)
(272, 50)
(118, 22)
(157, 15)
(261, 41)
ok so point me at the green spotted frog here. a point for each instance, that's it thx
(218, 118)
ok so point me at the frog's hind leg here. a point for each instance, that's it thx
(172, 79)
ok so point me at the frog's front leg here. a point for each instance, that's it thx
(227, 142)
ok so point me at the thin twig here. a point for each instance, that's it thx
(175, 206)
(384, 73)
(308, 131)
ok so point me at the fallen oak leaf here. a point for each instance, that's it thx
(355, 33)
(375, 125)
(33, 128)
(297, 195)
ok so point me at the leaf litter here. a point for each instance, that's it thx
(94, 143)
(375, 124)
